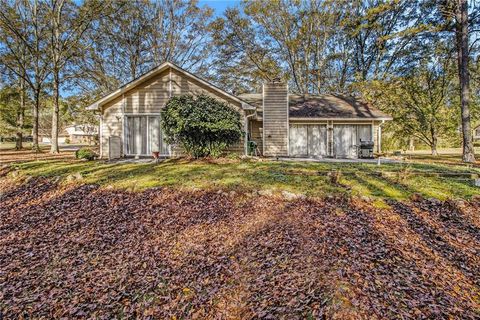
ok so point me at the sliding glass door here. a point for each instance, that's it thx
(143, 135)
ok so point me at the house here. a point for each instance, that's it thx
(82, 133)
(281, 124)
(476, 133)
(45, 135)
(75, 133)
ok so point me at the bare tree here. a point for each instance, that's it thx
(22, 25)
(68, 25)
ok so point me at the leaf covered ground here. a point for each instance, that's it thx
(80, 250)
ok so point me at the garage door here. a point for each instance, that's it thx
(346, 139)
(308, 140)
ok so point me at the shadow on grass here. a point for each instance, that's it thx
(179, 252)
(437, 242)
(300, 177)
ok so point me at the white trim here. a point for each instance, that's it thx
(124, 140)
(288, 122)
(97, 104)
(100, 136)
(353, 123)
(263, 119)
(372, 131)
(170, 88)
(309, 122)
(330, 140)
(339, 119)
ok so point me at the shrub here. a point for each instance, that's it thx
(202, 125)
(85, 153)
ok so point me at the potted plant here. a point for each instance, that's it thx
(156, 155)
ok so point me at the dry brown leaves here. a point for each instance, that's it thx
(80, 251)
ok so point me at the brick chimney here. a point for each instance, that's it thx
(275, 119)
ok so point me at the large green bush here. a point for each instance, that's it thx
(202, 125)
(85, 153)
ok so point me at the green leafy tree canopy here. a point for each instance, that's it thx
(202, 125)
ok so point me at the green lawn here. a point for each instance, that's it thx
(396, 181)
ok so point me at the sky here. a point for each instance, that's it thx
(219, 5)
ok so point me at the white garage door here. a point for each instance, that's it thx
(346, 139)
(308, 140)
(298, 140)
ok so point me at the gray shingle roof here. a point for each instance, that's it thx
(323, 106)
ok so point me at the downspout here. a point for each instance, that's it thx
(247, 116)
(100, 137)
(379, 137)
(124, 129)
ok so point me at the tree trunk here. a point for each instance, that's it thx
(36, 107)
(463, 74)
(411, 144)
(56, 109)
(20, 117)
(434, 147)
(434, 143)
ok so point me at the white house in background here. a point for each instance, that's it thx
(82, 133)
(280, 123)
(476, 133)
(75, 134)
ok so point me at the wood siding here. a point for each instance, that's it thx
(111, 125)
(256, 134)
(275, 119)
(150, 97)
(186, 85)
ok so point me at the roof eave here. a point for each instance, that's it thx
(342, 118)
(160, 68)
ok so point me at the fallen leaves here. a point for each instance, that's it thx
(81, 251)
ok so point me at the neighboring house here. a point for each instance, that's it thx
(44, 135)
(82, 133)
(281, 124)
(476, 133)
(76, 134)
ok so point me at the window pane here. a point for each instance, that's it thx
(154, 134)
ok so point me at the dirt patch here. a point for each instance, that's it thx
(82, 251)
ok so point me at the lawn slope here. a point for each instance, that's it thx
(80, 250)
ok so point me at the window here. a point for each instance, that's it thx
(143, 136)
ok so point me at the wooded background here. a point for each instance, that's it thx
(416, 60)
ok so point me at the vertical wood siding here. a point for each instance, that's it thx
(256, 135)
(150, 97)
(275, 119)
(112, 125)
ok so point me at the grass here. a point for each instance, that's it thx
(386, 181)
(448, 156)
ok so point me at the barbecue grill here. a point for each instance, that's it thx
(365, 149)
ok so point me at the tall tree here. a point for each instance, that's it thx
(142, 34)
(68, 24)
(422, 103)
(14, 120)
(23, 25)
(321, 46)
(463, 54)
